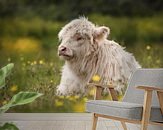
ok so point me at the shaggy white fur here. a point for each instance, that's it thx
(87, 51)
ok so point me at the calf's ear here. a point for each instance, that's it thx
(101, 33)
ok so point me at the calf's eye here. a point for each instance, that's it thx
(79, 38)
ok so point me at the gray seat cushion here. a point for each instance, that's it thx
(125, 110)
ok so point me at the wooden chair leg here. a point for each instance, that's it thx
(124, 125)
(113, 94)
(98, 93)
(160, 98)
(146, 109)
(94, 123)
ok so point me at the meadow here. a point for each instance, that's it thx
(31, 44)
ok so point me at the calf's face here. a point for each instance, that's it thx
(73, 46)
(80, 38)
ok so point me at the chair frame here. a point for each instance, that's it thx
(146, 106)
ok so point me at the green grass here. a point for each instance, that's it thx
(31, 44)
(132, 30)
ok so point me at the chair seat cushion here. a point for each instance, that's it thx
(125, 110)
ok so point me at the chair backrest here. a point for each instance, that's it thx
(143, 77)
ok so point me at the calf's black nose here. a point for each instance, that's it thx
(62, 49)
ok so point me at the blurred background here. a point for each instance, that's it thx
(28, 38)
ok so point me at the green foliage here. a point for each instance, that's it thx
(68, 9)
(132, 30)
(4, 72)
(23, 27)
(8, 126)
(149, 56)
(20, 99)
(123, 29)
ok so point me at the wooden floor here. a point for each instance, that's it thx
(59, 121)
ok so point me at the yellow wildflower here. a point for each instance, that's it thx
(23, 64)
(51, 64)
(58, 103)
(9, 59)
(148, 47)
(79, 107)
(67, 97)
(76, 97)
(41, 62)
(149, 57)
(21, 58)
(96, 78)
(34, 62)
(158, 61)
(51, 81)
(71, 98)
(14, 88)
(26, 45)
(85, 99)
(61, 97)
(4, 102)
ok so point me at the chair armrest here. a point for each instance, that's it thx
(100, 85)
(99, 88)
(147, 88)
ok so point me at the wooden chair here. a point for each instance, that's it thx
(138, 106)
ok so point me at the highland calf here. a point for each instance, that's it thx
(87, 51)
